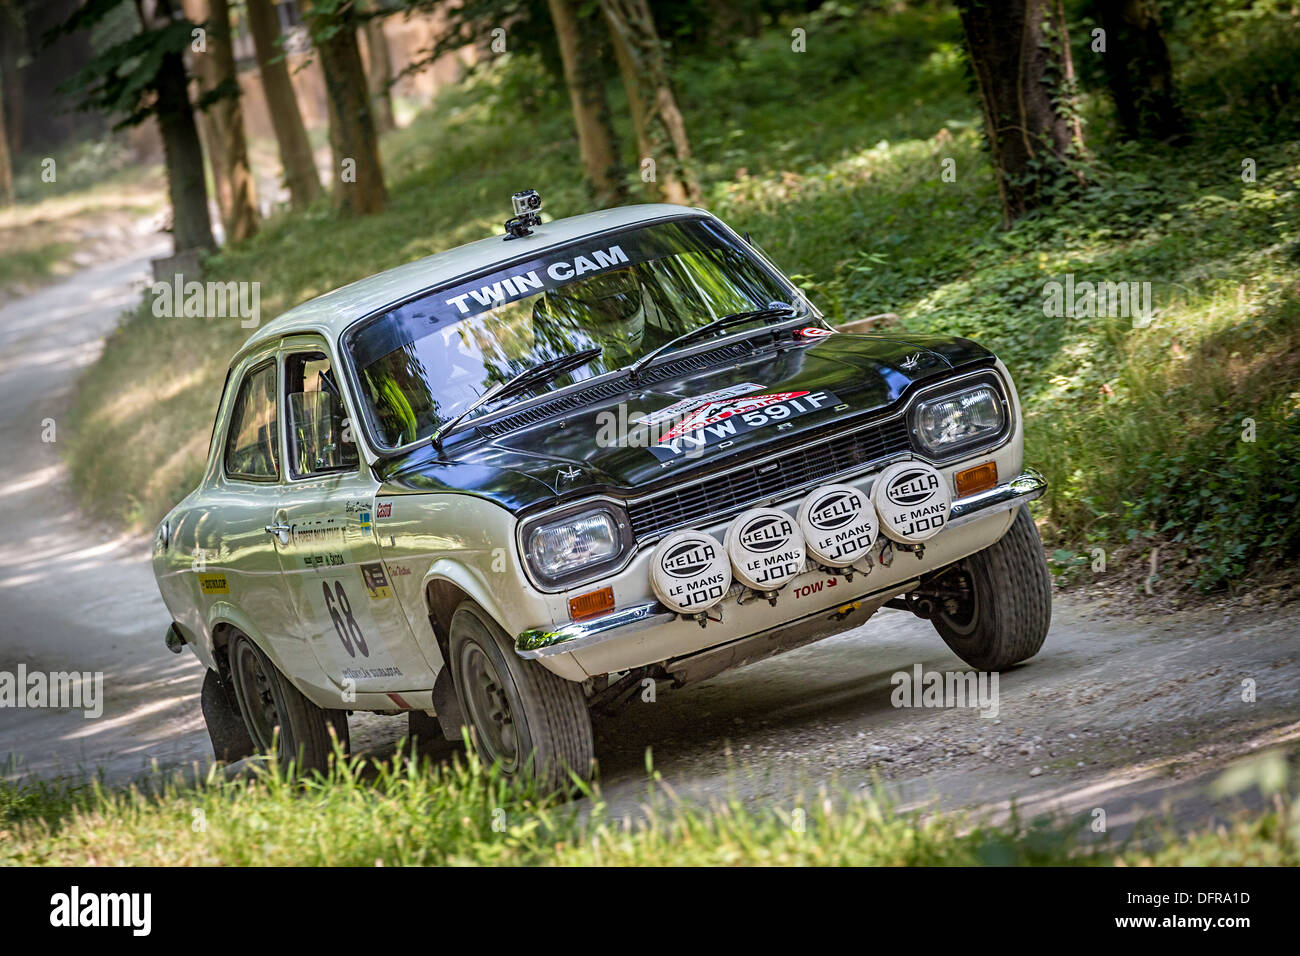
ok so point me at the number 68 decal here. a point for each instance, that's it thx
(345, 624)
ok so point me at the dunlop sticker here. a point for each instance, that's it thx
(214, 584)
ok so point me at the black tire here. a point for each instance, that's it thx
(268, 702)
(226, 729)
(1007, 605)
(522, 718)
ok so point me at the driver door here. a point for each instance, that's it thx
(346, 607)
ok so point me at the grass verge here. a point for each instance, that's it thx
(407, 812)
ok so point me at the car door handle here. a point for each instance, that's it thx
(280, 531)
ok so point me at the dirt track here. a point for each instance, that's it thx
(1122, 714)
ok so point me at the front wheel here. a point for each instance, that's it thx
(523, 719)
(998, 604)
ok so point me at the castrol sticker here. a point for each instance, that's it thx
(766, 548)
(839, 525)
(912, 500)
(689, 571)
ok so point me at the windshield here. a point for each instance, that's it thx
(625, 293)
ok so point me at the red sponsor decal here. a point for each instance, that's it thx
(813, 332)
(384, 509)
(715, 412)
(807, 590)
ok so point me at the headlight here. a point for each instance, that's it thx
(963, 419)
(578, 542)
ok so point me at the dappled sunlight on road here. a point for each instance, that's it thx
(75, 596)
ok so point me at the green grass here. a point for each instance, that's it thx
(832, 160)
(405, 812)
(31, 265)
(84, 202)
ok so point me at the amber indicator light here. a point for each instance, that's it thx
(591, 604)
(977, 479)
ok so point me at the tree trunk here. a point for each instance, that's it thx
(1020, 55)
(584, 50)
(1138, 69)
(13, 53)
(358, 174)
(191, 224)
(729, 20)
(300, 173)
(6, 164)
(380, 72)
(227, 145)
(660, 129)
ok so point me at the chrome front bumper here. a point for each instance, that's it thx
(543, 642)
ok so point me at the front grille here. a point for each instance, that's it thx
(743, 486)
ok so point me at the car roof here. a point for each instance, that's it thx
(331, 313)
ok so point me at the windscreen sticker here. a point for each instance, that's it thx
(717, 422)
(547, 271)
(526, 282)
(670, 412)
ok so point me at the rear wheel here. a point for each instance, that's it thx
(998, 602)
(522, 718)
(269, 703)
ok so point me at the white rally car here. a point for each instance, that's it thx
(503, 486)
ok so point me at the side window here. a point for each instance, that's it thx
(253, 440)
(320, 441)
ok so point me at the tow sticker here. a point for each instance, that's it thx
(913, 501)
(839, 524)
(766, 548)
(689, 571)
(719, 421)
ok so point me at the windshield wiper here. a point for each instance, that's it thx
(774, 311)
(542, 372)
